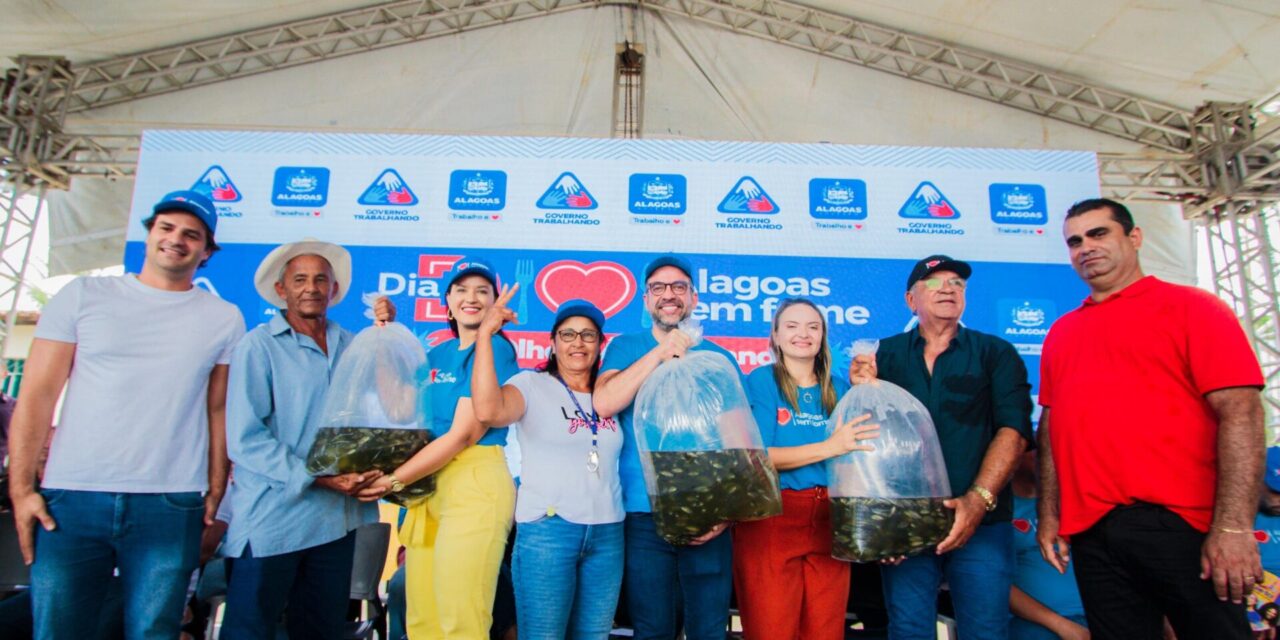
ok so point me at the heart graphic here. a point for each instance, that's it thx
(784, 415)
(1262, 536)
(1039, 232)
(676, 221)
(1022, 524)
(495, 216)
(857, 226)
(608, 285)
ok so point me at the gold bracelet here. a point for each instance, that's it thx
(988, 500)
(1226, 530)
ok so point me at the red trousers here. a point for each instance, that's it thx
(788, 585)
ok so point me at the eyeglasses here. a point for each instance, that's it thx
(679, 288)
(588, 335)
(933, 284)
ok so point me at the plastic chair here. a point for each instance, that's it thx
(372, 540)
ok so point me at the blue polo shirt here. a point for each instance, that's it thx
(1266, 529)
(781, 425)
(1033, 574)
(449, 380)
(623, 352)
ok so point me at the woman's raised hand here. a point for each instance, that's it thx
(499, 314)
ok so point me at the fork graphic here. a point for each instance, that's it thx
(524, 278)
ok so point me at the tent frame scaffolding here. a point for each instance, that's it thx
(1220, 162)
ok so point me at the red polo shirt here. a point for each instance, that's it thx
(1126, 380)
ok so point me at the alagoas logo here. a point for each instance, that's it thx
(216, 184)
(300, 187)
(477, 190)
(442, 377)
(657, 194)
(838, 203)
(1025, 320)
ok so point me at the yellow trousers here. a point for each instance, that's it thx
(453, 547)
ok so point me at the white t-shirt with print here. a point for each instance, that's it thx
(555, 441)
(135, 418)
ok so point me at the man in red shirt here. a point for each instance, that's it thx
(1151, 444)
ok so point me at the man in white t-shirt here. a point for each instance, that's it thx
(138, 464)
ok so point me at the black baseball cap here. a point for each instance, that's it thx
(938, 263)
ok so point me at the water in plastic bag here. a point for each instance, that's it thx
(372, 417)
(704, 462)
(888, 502)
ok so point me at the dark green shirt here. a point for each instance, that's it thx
(979, 385)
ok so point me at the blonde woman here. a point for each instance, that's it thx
(788, 585)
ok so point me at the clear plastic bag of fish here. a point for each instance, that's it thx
(888, 502)
(703, 459)
(372, 418)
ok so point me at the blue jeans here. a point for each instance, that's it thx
(979, 574)
(567, 577)
(664, 580)
(152, 538)
(313, 584)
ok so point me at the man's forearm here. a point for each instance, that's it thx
(616, 392)
(1000, 460)
(1241, 456)
(28, 430)
(1047, 504)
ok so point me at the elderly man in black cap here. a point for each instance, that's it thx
(975, 387)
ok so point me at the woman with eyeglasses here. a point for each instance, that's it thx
(567, 564)
(788, 585)
(454, 540)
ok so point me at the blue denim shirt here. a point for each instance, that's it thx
(275, 394)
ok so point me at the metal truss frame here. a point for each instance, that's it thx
(21, 205)
(291, 44)
(1243, 262)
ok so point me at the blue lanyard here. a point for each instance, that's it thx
(593, 420)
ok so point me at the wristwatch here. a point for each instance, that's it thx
(397, 486)
(987, 498)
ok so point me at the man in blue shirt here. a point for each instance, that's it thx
(292, 535)
(662, 580)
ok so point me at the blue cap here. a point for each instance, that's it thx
(1273, 468)
(472, 267)
(668, 260)
(187, 201)
(584, 308)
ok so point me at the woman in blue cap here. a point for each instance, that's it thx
(567, 566)
(455, 539)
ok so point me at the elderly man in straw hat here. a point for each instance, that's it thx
(292, 535)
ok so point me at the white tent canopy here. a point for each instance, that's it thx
(553, 75)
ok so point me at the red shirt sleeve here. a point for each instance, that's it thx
(1218, 352)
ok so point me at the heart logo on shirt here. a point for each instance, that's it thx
(1022, 525)
(608, 285)
(784, 415)
(1262, 536)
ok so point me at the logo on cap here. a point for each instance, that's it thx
(932, 263)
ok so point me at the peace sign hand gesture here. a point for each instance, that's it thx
(499, 315)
